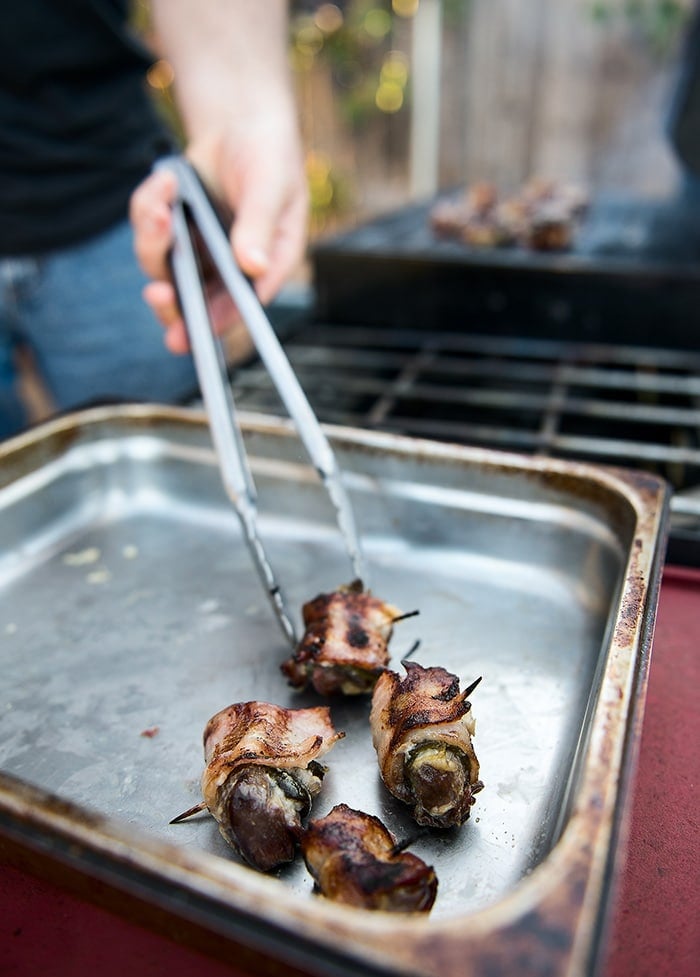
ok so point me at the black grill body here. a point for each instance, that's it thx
(578, 355)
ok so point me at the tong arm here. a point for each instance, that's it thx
(193, 202)
(226, 433)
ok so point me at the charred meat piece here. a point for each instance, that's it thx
(422, 728)
(470, 217)
(553, 210)
(569, 196)
(262, 775)
(448, 217)
(344, 647)
(484, 232)
(551, 228)
(543, 215)
(353, 859)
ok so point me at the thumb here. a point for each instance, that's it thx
(253, 233)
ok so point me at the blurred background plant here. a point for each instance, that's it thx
(351, 65)
(656, 22)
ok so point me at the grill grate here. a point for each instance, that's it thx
(611, 404)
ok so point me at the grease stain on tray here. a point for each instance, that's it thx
(81, 558)
(99, 576)
(212, 620)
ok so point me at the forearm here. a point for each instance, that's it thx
(236, 100)
(229, 58)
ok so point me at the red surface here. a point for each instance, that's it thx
(657, 923)
(655, 930)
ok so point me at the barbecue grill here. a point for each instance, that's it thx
(580, 355)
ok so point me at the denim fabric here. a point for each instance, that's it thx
(93, 338)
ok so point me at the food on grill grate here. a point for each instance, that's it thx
(262, 774)
(542, 216)
(422, 728)
(354, 859)
(344, 647)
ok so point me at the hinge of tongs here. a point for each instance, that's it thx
(193, 206)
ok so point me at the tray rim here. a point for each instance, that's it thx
(533, 916)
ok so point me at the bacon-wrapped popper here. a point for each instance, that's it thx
(353, 858)
(344, 647)
(262, 775)
(422, 728)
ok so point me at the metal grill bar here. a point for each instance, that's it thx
(497, 398)
(508, 367)
(362, 337)
(634, 405)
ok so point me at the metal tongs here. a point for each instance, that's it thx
(191, 209)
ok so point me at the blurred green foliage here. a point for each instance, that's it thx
(658, 23)
(354, 45)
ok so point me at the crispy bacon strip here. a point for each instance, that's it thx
(344, 647)
(262, 775)
(422, 728)
(353, 859)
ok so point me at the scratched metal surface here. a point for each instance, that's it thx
(129, 614)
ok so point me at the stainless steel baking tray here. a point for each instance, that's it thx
(130, 614)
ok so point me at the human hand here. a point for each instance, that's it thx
(256, 169)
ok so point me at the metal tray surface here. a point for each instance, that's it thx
(130, 613)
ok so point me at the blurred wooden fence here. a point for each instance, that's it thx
(546, 89)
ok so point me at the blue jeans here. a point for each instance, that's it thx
(93, 339)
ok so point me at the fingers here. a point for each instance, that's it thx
(266, 188)
(268, 242)
(256, 207)
(287, 249)
(161, 297)
(269, 199)
(149, 212)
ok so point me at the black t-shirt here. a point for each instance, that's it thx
(77, 128)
